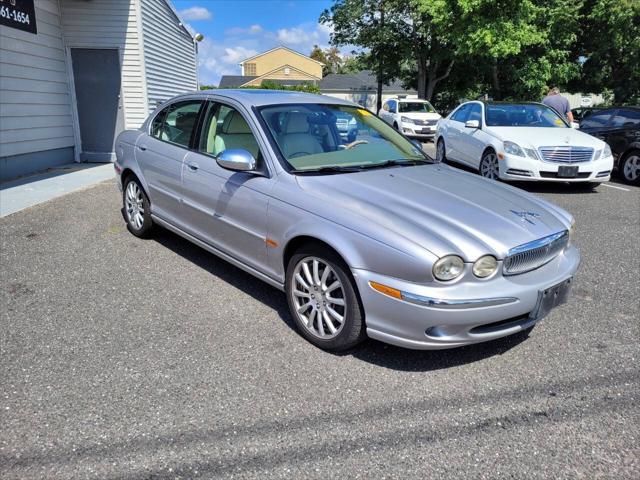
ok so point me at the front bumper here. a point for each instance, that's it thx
(418, 131)
(513, 167)
(465, 312)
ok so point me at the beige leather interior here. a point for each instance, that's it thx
(296, 139)
(235, 133)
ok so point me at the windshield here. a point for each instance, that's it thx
(312, 137)
(421, 107)
(527, 115)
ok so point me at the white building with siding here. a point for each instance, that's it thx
(74, 73)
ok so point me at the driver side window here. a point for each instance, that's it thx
(225, 128)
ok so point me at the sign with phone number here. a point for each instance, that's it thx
(20, 14)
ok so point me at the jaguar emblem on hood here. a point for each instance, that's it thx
(526, 216)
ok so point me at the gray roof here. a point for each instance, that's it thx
(364, 80)
(232, 81)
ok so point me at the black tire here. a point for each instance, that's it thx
(395, 125)
(443, 157)
(143, 229)
(623, 163)
(353, 329)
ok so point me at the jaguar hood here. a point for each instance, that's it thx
(436, 207)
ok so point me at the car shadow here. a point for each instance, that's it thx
(371, 351)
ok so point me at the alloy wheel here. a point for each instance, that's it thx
(489, 167)
(134, 205)
(318, 297)
(631, 170)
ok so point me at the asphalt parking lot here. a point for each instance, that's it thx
(141, 359)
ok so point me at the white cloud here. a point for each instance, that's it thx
(239, 31)
(236, 55)
(195, 14)
(222, 58)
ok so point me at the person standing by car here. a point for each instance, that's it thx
(558, 103)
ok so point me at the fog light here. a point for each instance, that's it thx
(485, 266)
(448, 268)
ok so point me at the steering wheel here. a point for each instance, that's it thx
(355, 143)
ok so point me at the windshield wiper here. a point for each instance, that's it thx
(330, 169)
(360, 168)
(395, 163)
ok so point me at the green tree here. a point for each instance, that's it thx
(371, 25)
(609, 49)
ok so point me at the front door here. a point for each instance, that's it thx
(224, 208)
(96, 76)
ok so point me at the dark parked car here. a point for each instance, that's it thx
(620, 128)
(581, 113)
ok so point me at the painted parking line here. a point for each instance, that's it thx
(616, 187)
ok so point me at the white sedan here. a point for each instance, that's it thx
(521, 141)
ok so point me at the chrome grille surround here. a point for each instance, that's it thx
(566, 154)
(532, 255)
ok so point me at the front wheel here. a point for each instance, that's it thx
(441, 153)
(630, 167)
(323, 300)
(489, 167)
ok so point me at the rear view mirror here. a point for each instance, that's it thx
(238, 160)
(472, 124)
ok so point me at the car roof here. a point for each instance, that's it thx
(256, 97)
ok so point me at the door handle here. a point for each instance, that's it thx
(142, 147)
(193, 166)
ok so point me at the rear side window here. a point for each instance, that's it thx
(460, 115)
(597, 120)
(177, 123)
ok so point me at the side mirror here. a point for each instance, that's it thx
(238, 160)
(472, 124)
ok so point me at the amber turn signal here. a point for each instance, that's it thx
(392, 292)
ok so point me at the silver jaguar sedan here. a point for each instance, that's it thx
(365, 234)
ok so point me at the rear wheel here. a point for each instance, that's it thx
(136, 208)
(489, 167)
(630, 167)
(323, 300)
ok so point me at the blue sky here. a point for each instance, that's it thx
(235, 30)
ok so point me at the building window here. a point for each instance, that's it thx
(249, 68)
(287, 71)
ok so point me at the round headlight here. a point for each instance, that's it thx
(485, 266)
(448, 268)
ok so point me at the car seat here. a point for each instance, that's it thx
(235, 133)
(296, 140)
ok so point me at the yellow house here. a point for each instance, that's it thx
(281, 64)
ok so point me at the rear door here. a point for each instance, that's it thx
(160, 153)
